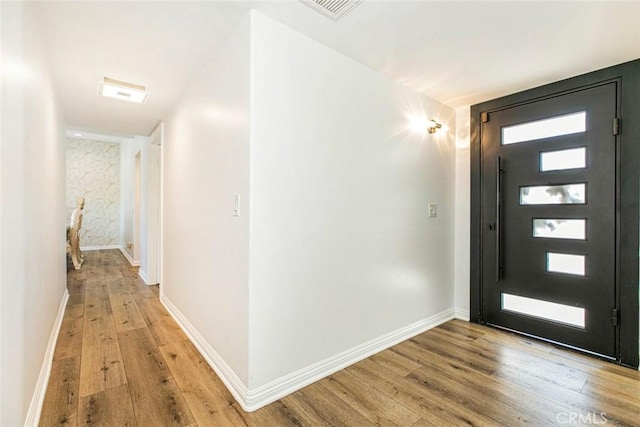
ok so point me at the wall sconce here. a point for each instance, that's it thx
(433, 126)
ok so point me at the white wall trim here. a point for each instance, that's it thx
(281, 387)
(235, 385)
(462, 314)
(145, 278)
(126, 255)
(35, 408)
(251, 400)
(99, 248)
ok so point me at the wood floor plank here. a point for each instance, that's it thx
(102, 367)
(229, 416)
(70, 336)
(112, 271)
(530, 387)
(452, 379)
(538, 365)
(510, 339)
(143, 295)
(423, 423)
(160, 323)
(137, 284)
(427, 402)
(491, 356)
(76, 289)
(128, 285)
(279, 413)
(155, 289)
(619, 412)
(377, 407)
(453, 375)
(95, 275)
(483, 361)
(75, 299)
(497, 400)
(326, 408)
(203, 391)
(571, 364)
(108, 408)
(125, 312)
(60, 407)
(462, 330)
(594, 367)
(156, 399)
(623, 391)
(76, 274)
(119, 285)
(396, 363)
(76, 286)
(96, 301)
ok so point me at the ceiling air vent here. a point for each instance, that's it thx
(334, 9)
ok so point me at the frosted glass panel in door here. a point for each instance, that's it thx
(573, 158)
(553, 194)
(565, 263)
(561, 313)
(547, 128)
(560, 228)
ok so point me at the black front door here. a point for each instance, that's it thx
(549, 204)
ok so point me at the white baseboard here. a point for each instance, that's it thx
(99, 248)
(35, 408)
(126, 255)
(143, 276)
(462, 314)
(251, 400)
(281, 387)
(224, 371)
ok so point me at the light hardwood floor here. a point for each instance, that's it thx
(121, 360)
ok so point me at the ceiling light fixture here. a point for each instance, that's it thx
(124, 91)
(433, 126)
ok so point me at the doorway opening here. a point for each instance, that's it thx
(136, 206)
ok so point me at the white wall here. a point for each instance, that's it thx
(342, 250)
(333, 247)
(149, 264)
(139, 238)
(129, 147)
(130, 234)
(462, 215)
(32, 195)
(205, 163)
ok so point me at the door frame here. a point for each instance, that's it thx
(628, 194)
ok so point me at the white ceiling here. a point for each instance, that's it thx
(459, 53)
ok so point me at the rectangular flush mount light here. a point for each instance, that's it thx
(124, 91)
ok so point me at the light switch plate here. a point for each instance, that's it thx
(236, 205)
(433, 210)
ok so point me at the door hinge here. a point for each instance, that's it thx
(616, 126)
(615, 316)
(484, 117)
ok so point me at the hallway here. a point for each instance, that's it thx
(121, 360)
